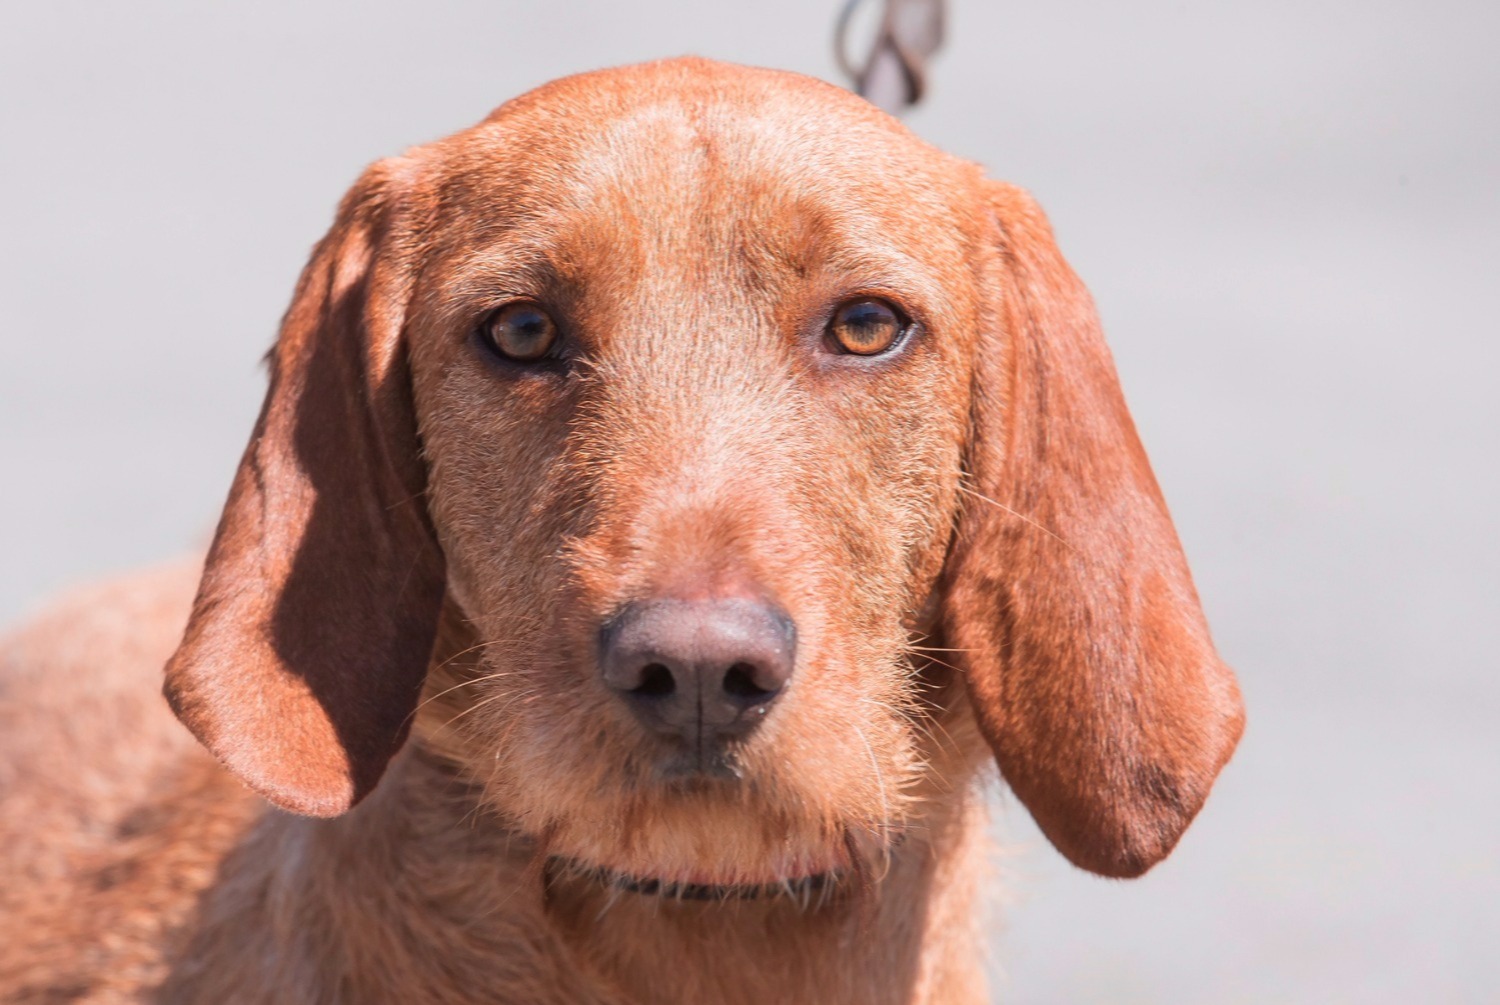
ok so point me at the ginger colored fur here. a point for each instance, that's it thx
(394, 637)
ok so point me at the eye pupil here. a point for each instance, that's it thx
(521, 331)
(866, 327)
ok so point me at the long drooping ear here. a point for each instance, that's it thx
(314, 622)
(1068, 598)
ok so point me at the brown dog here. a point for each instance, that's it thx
(670, 494)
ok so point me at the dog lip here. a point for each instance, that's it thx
(697, 770)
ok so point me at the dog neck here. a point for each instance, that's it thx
(422, 894)
(427, 892)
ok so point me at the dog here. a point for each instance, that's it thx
(671, 495)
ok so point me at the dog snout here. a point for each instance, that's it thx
(700, 671)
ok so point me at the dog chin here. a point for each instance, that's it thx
(676, 867)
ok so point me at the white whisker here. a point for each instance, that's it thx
(1019, 516)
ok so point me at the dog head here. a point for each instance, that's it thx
(694, 401)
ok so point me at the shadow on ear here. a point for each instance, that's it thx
(1068, 597)
(310, 636)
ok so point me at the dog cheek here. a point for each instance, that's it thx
(556, 767)
(842, 744)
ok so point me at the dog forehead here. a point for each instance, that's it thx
(702, 155)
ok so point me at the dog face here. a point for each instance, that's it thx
(697, 432)
(689, 399)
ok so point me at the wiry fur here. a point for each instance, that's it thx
(408, 583)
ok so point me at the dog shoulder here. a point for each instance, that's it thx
(83, 727)
(111, 816)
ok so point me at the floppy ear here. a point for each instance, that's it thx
(1068, 597)
(310, 636)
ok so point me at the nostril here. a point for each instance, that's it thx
(740, 682)
(656, 681)
(702, 670)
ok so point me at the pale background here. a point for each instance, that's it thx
(1289, 213)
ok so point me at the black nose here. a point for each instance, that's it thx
(699, 670)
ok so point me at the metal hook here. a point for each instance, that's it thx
(894, 76)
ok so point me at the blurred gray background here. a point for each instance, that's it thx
(1289, 213)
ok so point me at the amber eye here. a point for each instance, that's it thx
(521, 331)
(866, 327)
